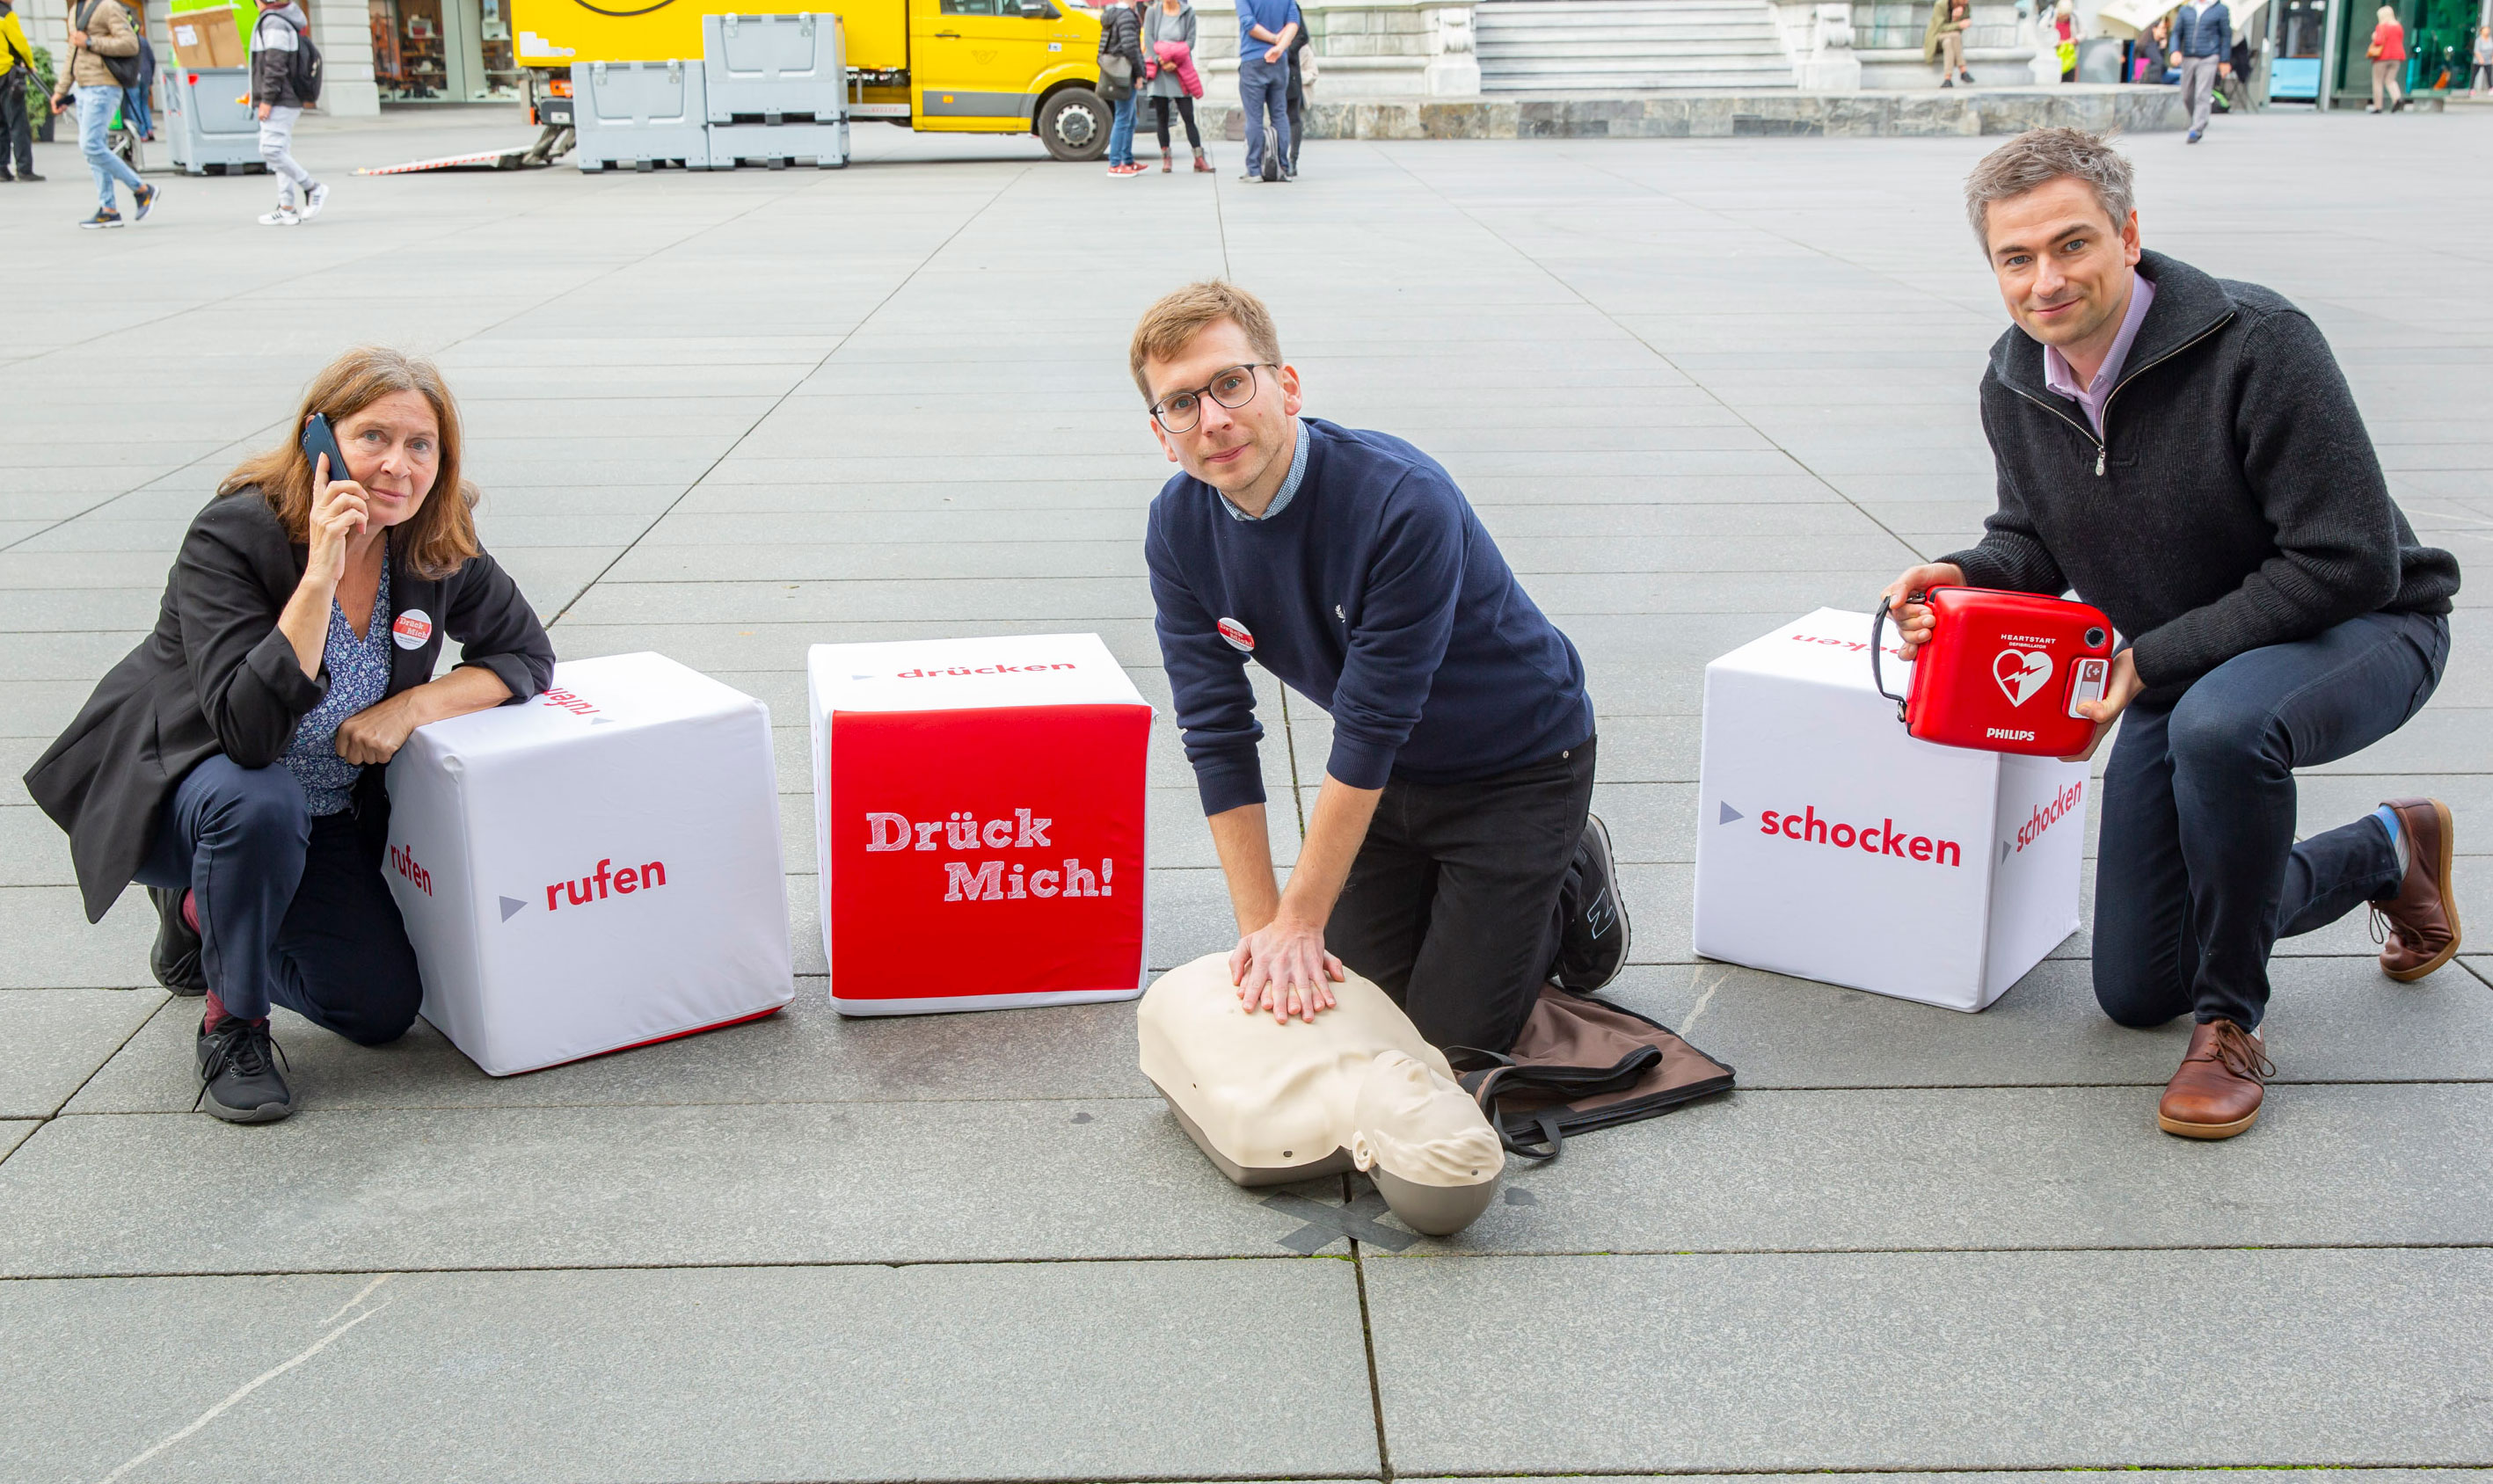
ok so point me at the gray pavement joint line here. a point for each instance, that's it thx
(2473, 970)
(1434, 1254)
(1655, 350)
(118, 1047)
(799, 381)
(221, 450)
(1368, 1348)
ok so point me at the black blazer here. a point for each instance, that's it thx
(217, 676)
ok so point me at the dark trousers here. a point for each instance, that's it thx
(1263, 89)
(1452, 904)
(16, 127)
(2198, 874)
(292, 911)
(1297, 110)
(1185, 110)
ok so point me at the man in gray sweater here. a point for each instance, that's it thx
(2276, 609)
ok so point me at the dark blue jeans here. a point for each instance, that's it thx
(2197, 873)
(1264, 88)
(293, 910)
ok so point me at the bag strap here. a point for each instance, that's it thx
(1877, 630)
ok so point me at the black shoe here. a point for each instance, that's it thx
(1593, 937)
(102, 219)
(28, 175)
(175, 958)
(238, 1077)
(147, 199)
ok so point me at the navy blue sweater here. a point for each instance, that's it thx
(1375, 594)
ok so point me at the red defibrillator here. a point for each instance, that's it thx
(2003, 671)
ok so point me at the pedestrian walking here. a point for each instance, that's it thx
(1302, 73)
(135, 115)
(2483, 74)
(104, 61)
(1169, 36)
(1265, 30)
(2203, 44)
(17, 76)
(1121, 45)
(277, 40)
(1943, 42)
(2388, 54)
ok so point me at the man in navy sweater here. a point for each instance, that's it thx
(1451, 857)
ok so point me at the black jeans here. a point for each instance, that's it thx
(2198, 874)
(293, 910)
(1185, 110)
(1452, 904)
(16, 127)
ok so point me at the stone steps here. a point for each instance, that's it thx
(1609, 45)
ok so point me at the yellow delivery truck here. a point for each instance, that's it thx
(940, 66)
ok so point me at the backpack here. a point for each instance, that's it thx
(1581, 1064)
(124, 69)
(303, 66)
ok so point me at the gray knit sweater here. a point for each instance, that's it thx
(2232, 502)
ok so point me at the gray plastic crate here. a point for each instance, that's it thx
(823, 146)
(773, 70)
(209, 129)
(641, 115)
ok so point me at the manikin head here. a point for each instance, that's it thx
(1413, 1123)
(1209, 362)
(2054, 213)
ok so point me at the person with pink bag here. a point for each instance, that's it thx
(1169, 37)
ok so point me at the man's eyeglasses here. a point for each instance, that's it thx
(1233, 388)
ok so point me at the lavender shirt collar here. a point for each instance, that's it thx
(2060, 377)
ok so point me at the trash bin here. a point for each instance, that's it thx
(210, 121)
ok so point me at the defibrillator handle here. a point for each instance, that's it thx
(1877, 630)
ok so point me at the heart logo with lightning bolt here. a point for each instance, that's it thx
(2021, 673)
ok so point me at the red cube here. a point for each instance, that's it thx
(978, 811)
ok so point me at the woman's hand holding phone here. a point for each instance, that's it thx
(338, 514)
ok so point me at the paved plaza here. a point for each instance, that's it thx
(1695, 387)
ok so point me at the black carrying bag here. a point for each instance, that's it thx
(1582, 1064)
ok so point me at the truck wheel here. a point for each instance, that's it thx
(1074, 125)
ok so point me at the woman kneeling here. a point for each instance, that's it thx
(230, 762)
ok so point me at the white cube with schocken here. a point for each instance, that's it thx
(1831, 845)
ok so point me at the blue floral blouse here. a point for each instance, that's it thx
(359, 672)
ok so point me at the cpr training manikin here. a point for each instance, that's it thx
(1273, 1101)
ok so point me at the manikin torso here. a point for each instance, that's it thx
(1267, 1095)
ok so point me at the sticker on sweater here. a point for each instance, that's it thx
(1235, 634)
(412, 629)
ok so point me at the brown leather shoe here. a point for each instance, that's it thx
(2216, 1093)
(2418, 927)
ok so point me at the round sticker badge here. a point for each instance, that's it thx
(1235, 634)
(412, 629)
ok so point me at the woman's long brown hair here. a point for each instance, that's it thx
(442, 533)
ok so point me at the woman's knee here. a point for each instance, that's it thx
(254, 806)
(380, 1005)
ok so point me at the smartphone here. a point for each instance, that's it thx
(317, 439)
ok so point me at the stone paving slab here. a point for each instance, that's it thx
(2361, 1165)
(2331, 1019)
(614, 1186)
(1910, 1361)
(62, 1037)
(915, 1373)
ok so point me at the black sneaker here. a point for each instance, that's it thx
(103, 218)
(175, 958)
(147, 199)
(1593, 937)
(238, 1077)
